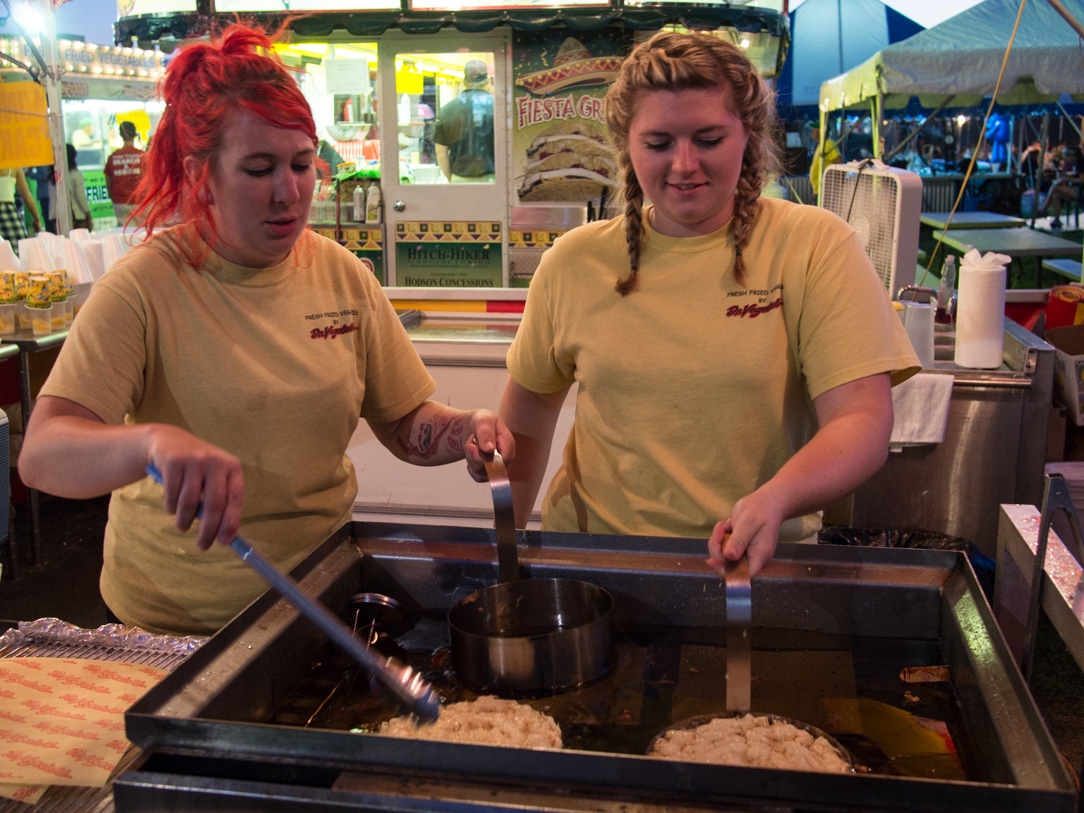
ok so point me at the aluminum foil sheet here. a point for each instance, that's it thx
(49, 633)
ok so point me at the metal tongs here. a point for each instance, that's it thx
(397, 678)
(739, 618)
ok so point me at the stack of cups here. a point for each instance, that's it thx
(93, 254)
(35, 255)
(8, 260)
(918, 319)
(22, 285)
(58, 296)
(980, 310)
(39, 305)
(114, 246)
(9, 302)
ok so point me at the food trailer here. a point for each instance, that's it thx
(100, 86)
(379, 78)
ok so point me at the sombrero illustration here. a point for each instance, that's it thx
(573, 67)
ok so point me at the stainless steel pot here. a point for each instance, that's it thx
(524, 635)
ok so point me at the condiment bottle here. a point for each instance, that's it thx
(946, 292)
(373, 204)
(359, 204)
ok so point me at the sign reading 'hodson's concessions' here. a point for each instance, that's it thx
(448, 254)
(62, 721)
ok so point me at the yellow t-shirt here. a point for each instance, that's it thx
(274, 365)
(694, 390)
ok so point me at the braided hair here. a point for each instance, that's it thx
(673, 62)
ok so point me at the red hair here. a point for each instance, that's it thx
(204, 84)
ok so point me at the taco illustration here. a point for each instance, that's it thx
(568, 161)
(573, 67)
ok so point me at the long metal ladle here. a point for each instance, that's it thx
(504, 517)
(739, 618)
(397, 678)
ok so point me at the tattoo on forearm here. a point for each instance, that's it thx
(427, 438)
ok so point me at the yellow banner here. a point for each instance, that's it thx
(24, 126)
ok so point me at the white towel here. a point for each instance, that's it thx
(920, 406)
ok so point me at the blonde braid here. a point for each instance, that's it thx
(634, 227)
(746, 206)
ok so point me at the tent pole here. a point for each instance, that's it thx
(51, 80)
(1069, 118)
(822, 139)
(1064, 12)
(878, 132)
(1037, 184)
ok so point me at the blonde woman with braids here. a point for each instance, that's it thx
(733, 353)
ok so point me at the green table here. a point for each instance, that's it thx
(1015, 242)
(971, 220)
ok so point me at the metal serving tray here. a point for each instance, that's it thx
(260, 717)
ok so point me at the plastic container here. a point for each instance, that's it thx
(41, 318)
(9, 318)
(946, 292)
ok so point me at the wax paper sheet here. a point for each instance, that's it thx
(62, 719)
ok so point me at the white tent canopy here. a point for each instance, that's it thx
(962, 57)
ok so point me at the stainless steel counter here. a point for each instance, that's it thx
(994, 450)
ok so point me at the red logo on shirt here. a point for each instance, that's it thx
(331, 332)
(753, 310)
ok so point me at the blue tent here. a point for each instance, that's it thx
(829, 37)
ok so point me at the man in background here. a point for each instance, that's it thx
(122, 172)
(87, 143)
(463, 134)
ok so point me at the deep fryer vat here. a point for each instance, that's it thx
(215, 728)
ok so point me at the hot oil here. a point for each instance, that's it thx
(850, 687)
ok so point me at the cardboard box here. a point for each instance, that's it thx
(1068, 344)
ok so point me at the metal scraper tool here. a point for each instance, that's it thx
(396, 678)
(739, 617)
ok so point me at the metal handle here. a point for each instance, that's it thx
(398, 206)
(739, 618)
(399, 679)
(504, 517)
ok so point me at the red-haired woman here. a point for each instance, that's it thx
(235, 350)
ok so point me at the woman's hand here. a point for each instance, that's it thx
(488, 434)
(851, 445)
(433, 434)
(199, 479)
(69, 451)
(752, 530)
